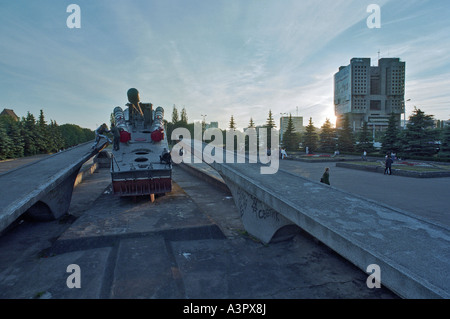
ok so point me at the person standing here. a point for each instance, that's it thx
(326, 176)
(388, 166)
(116, 134)
(100, 133)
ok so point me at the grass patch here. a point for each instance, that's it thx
(437, 168)
(366, 163)
(417, 168)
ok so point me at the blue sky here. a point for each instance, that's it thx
(214, 57)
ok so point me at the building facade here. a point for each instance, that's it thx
(368, 93)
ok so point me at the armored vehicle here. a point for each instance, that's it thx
(140, 163)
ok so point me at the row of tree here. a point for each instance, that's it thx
(28, 136)
(421, 138)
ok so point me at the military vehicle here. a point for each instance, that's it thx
(140, 162)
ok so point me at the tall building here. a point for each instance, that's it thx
(296, 120)
(370, 93)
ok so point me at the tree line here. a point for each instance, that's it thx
(28, 136)
(420, 139)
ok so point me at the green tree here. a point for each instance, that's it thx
(289, 137)
(57, 141)
(28, 133)
(184, 117)
(310, 137)
(13, 130)
(346, 139)
(365, 140)
(445, 142)
(175, 115)
(73, 135)
(251, 124)
(43, 138)
(232, 124)
(270, 124)
(5, 143)
(327, 142)
(390, 140)
(419, 137)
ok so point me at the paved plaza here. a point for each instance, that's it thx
(427, 198)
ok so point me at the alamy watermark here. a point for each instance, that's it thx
(374, 20)
(374, 280)
(252, 146)
(74, 19)
(74, 279)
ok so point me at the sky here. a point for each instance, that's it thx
(216, 58)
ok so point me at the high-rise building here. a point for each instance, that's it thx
(296, 120)
(370, 93)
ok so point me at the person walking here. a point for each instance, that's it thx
(388, 166)
(364, 157)
(326, 176)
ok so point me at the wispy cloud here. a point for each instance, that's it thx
(219, 58)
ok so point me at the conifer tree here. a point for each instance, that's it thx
(175, 115)
(390, 141)
(310, 137)
(289, 137)
(17, 146)
(5, 143)
(43, 139)
(184, 117)
(270, 123)
(232, 124)
(327, 141)
(28, 133)
(365, 141)
(445, 142)
(346, 139)
(419, 137)
(251, 124)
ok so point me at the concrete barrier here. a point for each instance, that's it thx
(413, 255)
(42, 189)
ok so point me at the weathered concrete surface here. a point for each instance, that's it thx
(43, 187)
(414, 255)
(155, 260)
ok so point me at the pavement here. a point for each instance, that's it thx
(425, 198)
(189, 244)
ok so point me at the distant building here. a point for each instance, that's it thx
(296, 120)
(212, 125)
(10, 113)
(370, 93)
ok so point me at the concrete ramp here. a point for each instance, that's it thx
(42, 188)
(413, 255)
